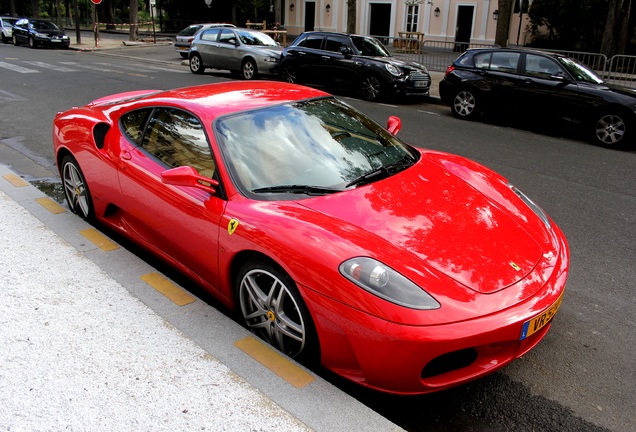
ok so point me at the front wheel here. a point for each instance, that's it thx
(273, 309)
(76, 190)
(32, 42)
(289, 73)
(465, 105)
(248, 70)
(611, 129)
(196, 64)
(371, 88)
(15, 40)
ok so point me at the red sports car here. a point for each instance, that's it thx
(405, 270)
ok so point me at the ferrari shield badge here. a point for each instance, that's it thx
(512, 264)
(232, 225)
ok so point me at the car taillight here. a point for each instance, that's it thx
(191, 39)
(449, 70)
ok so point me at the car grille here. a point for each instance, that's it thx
(418, 76)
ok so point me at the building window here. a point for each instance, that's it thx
(412, 15)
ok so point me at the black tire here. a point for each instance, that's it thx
(32, 43)
(76, 190)
(271, 307)
(289, 73)
(15, 40)
(465, 105)
(5, 39)
(196, 64)
(371, 88)
(248, 69)
(612, 129)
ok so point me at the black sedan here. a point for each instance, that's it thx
(539, 84)
(39, 32)
(352, 61)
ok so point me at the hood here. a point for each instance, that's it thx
(441, 220)
(400, 63)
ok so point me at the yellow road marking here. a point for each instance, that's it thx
(167, 288)
(15, 180)
(277, 363)
(99, 240)
(51, 205)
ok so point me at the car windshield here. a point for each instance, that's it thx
(312, 147)
(255, 38)
(43, 25)
(581, 72)
(370, 46)
(8, 22)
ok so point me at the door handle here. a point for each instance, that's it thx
(126, 156)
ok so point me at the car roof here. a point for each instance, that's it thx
(520, 50)
(335, 33)
(209, 101)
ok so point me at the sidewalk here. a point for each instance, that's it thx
(81, 349)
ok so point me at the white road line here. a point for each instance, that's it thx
(51, 66)
(429, 112)
(17, 68)
(91, 67)
(5, 96)
(144, 68)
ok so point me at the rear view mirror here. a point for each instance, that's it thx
(394, 124)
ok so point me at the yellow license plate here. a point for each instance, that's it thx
(535, 324)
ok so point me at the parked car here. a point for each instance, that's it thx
(403, 269)
(352, 61)
(244, 52)
(184, 38)
(540, 85)
(39, 32)
(6, 28)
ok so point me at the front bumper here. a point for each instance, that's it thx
(415, 84)
(404, 359)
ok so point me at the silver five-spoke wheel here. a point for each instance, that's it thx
(75, 188)
(272, 309)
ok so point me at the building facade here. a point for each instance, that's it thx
(465, 21)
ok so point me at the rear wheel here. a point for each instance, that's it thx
(76, 190)
(248, 69)
(612, 129)
(465, 105)
(273, 309)
(196, 64)
(371, 88)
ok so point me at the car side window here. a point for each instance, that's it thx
(312, 41)
(177, 138)
(482, 60)
(504, 61)
(133, 123)
(541, 66)
(334, 43)
(210, 35)
(227, 36)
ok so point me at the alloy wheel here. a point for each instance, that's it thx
(75, 189)
(464, 104)
(371, 88)
(610, 129)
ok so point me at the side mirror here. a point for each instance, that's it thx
(188, 176)
(345, 50)
(393, 125)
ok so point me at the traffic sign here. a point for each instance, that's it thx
(96, 1)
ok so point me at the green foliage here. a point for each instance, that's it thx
(568, 24)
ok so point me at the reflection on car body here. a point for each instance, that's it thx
(402, 269)
(540, 84)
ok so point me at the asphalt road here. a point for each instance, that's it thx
(582, 377)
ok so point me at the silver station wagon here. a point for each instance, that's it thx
(244, 52)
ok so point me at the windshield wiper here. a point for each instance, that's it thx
(384, 170)
(299, 189)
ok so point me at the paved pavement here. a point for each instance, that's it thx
(95, 339)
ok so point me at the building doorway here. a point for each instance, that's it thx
(464, 29)
(310, 16)
(380, 19)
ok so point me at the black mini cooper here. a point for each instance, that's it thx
(352, 61)
(540, 85)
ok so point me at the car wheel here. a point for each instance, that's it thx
(248, 69)
(183, 55)
(371, 88)
(290, 74)
(464, 105)
(31, 42)
(611, 130)
(273, 309)
(196, 64)
(15, 40)
(75, 188)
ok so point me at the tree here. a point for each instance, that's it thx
(502, 33)
(133, 35)
(35, 8)
(615, 33)
(351, 16)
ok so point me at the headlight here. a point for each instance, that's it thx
(384, 282)
(535, 208)
(40, 35)
(270, 59)
(393, 69)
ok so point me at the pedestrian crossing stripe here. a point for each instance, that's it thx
(51, 66)
(17, 68)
